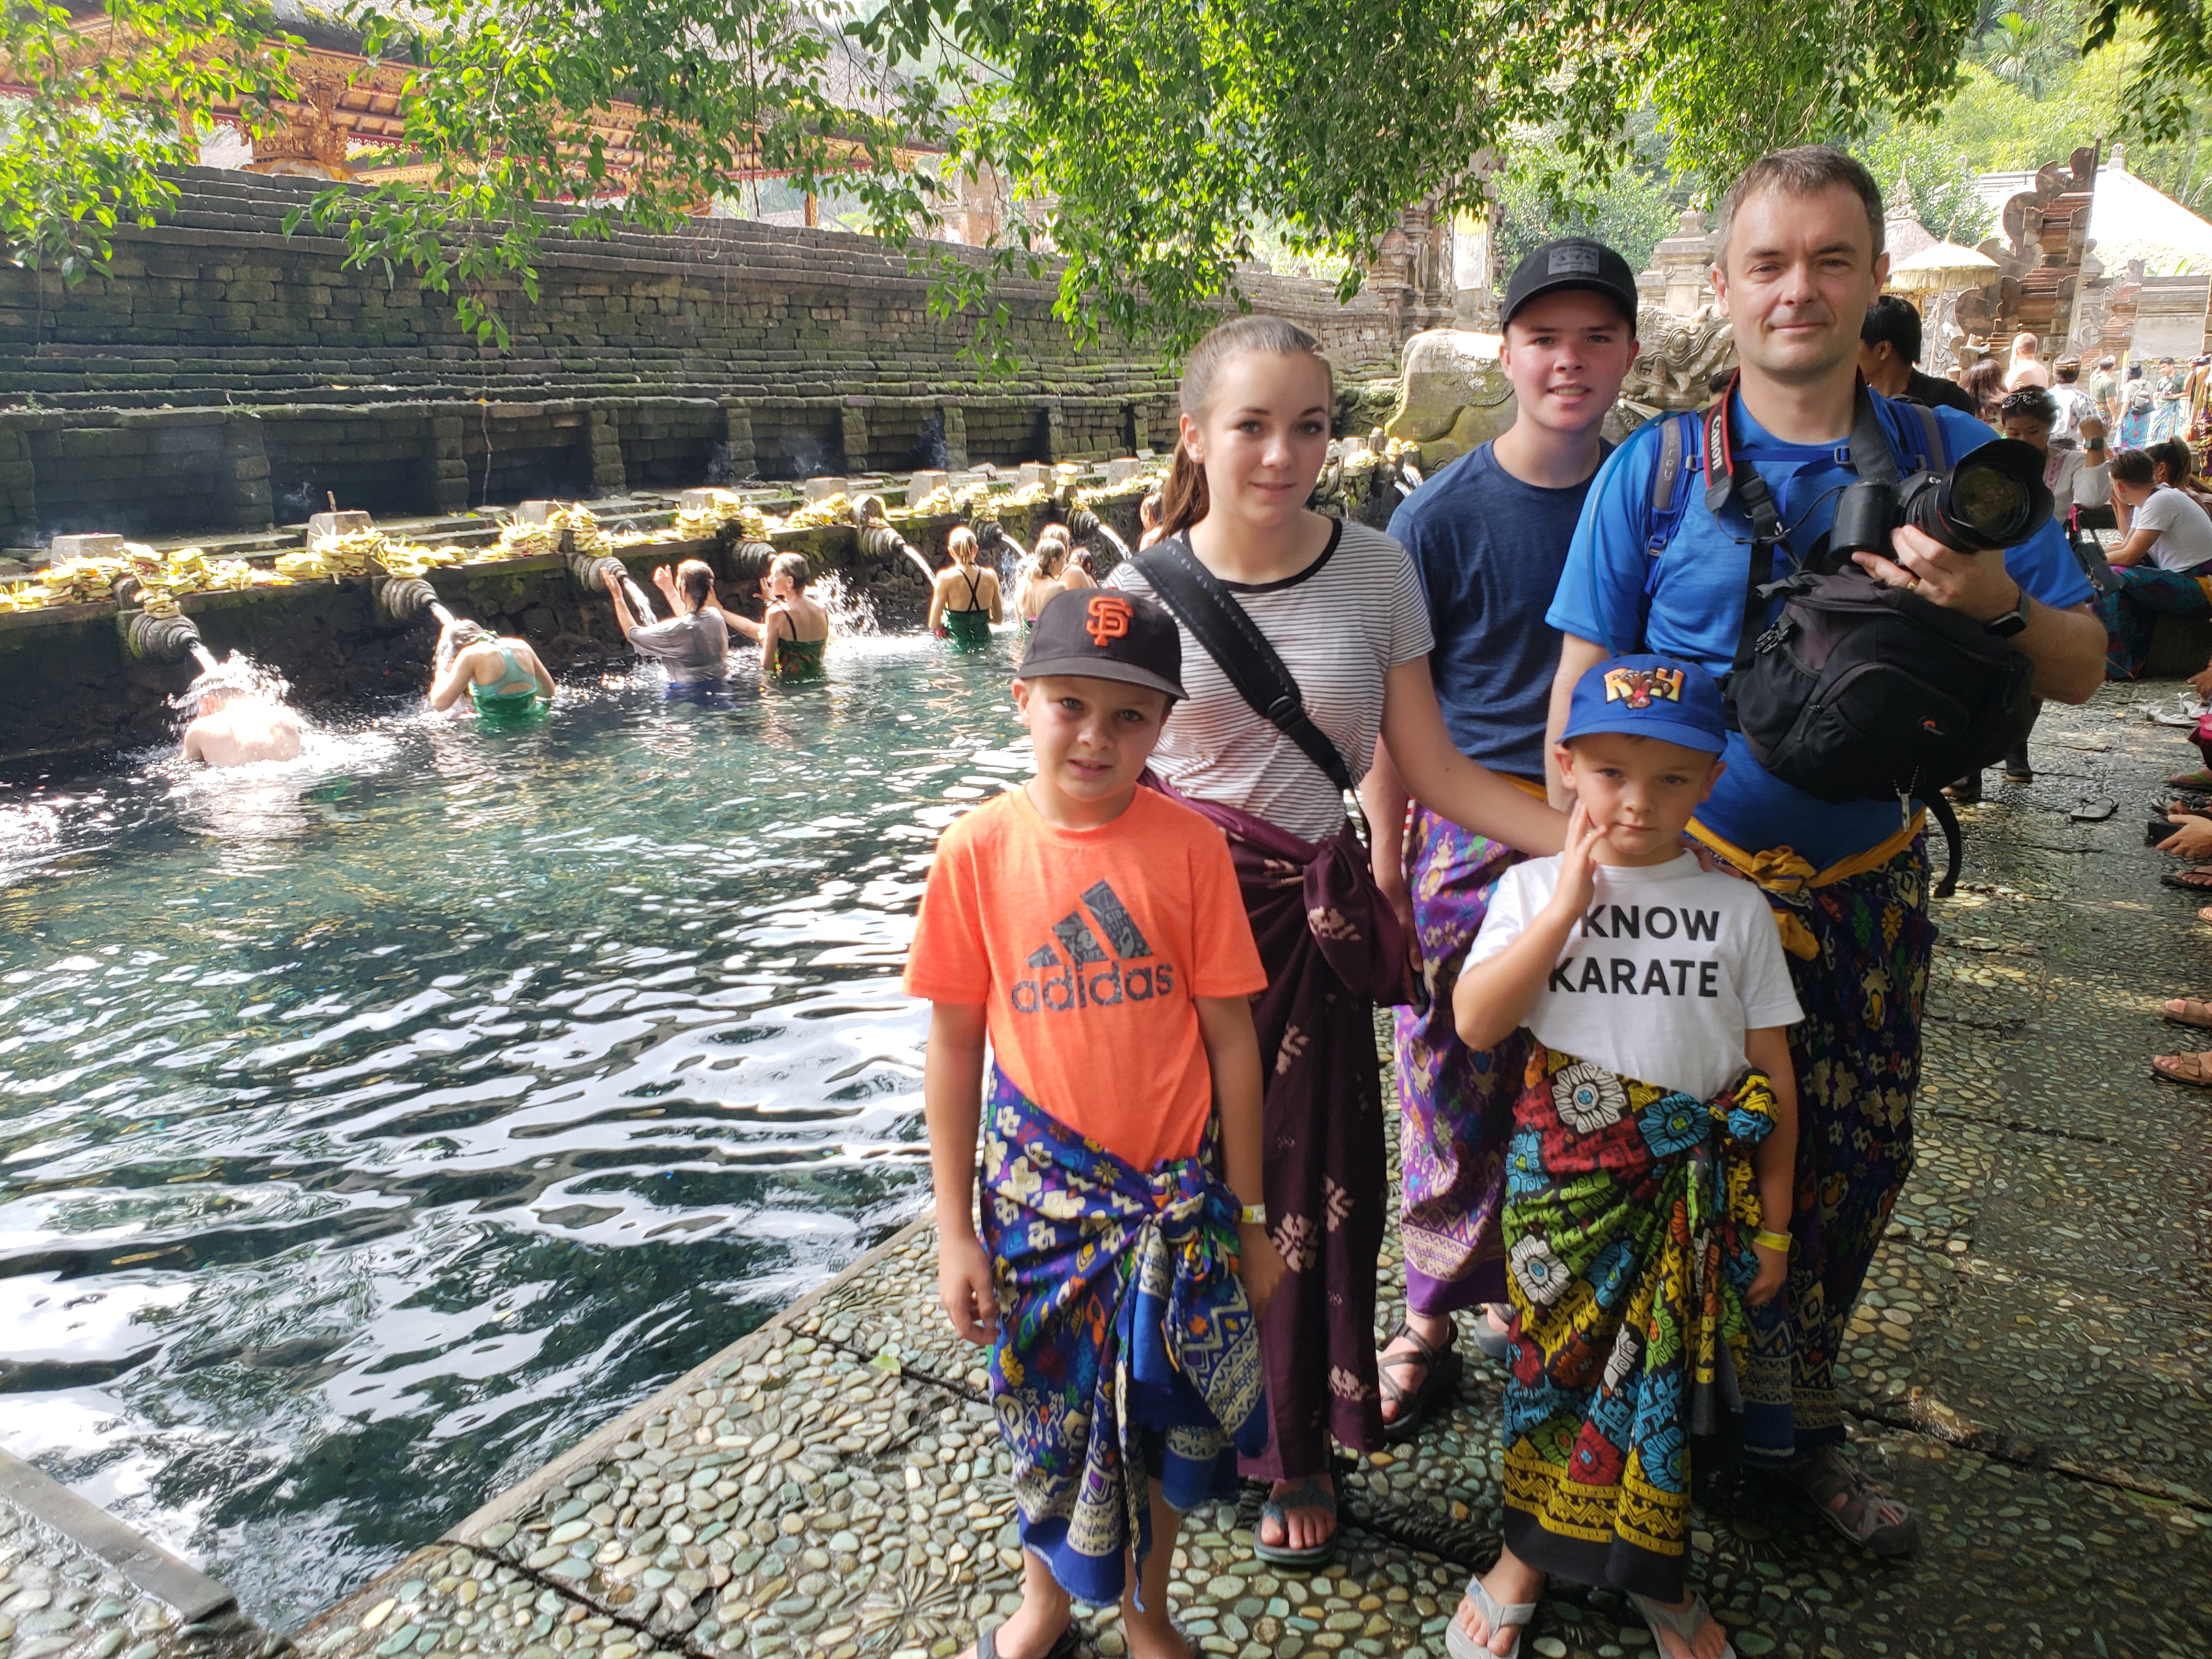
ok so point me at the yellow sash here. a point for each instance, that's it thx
(1779, 870)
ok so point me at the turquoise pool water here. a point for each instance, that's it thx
(372, 1127)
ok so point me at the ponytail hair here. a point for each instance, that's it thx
(1183, 500)
(697, 581)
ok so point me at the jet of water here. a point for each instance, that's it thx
(206, 659)
(445, 617)
(638, 602)
(851, 612)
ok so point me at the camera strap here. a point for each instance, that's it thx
(1872, 459)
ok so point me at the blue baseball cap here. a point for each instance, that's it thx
(1650, 696)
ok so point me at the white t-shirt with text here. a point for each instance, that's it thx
(1667, 969)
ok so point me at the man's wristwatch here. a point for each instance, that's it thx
(2014, 619)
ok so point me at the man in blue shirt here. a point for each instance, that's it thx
(1488, 536)
(1800, 261)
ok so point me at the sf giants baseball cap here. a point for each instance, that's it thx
(1104, 634)
(1572, 262)
(1649, 696)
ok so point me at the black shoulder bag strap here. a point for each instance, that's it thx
(1228, 634)
(1872, 459)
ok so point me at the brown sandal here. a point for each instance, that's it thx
(2188, 1010)
(2190, 1071)
(1439, 1380)
(1868, 1517)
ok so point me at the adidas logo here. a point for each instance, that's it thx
(1068, 972)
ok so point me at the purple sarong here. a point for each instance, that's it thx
(1455, 1103)
(1333, 950)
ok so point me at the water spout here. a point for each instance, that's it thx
(204, 657)
(1084, 524)
(443, 616)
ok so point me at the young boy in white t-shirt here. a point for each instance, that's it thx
(1653, 1149)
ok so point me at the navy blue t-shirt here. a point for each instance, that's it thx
(1489, 549)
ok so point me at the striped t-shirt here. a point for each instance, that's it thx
(1339, 625)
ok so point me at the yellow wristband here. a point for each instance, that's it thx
(1767, 1241)
(1252, 1215)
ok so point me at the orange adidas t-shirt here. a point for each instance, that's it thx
(1085, 948)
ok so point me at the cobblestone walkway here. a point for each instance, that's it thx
(2030, 1365)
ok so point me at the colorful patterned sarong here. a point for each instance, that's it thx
(1629, 1217)
(1859, 946)
(1333, 950)
(2132, 609)
(1122, 1321)
(1455, 1103)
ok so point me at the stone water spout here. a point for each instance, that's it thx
(1084, 524)
(171, 639)
(404, 599)
(880, 539)
(588, 571)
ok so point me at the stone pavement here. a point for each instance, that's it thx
(74, 1584)
(2030, 1366)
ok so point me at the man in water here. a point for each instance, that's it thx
(237, 727)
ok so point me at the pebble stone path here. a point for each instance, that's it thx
(2029, 1368)
(58, 1600)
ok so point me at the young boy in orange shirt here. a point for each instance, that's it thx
(1092, 930)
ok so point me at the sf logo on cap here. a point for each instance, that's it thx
(1637, 687)
(1110, 615)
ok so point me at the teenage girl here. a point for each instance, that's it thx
(1342, 607)
(795, 632)
(504, 679)
(964, 601)
(1044, 580)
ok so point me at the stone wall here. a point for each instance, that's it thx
(223, 373)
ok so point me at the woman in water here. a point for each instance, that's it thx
(693, 644)
(964, 601)
(794, 633)
(1078, 573)
(1342, 607)
(1044, 580)
(503, 677)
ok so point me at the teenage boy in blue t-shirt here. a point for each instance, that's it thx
(1800, 260)
(1489, 537)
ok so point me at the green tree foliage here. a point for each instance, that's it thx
(111, 100)
(1151, 134)
(1629, 212)
(1939, 180)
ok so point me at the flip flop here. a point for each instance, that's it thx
(1308, 1494)
(2196, 880)
(1514, 1616)
(2200, 781)
(2189, 1071)
(1685, 1623)
(2202, 1015)
(1064, 1646)
(1440, 1379)
(2093, 810)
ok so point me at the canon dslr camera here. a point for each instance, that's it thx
(1994, 498)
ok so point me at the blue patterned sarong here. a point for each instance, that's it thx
(1120, 1311)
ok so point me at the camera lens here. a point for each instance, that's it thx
(1987, 501)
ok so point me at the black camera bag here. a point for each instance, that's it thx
(1861, 690)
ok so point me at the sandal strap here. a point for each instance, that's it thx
(1426, 1352)
(1684, 1622)
(1866, 1508)
(1498, 1615)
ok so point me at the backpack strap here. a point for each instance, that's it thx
(1226, 632)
